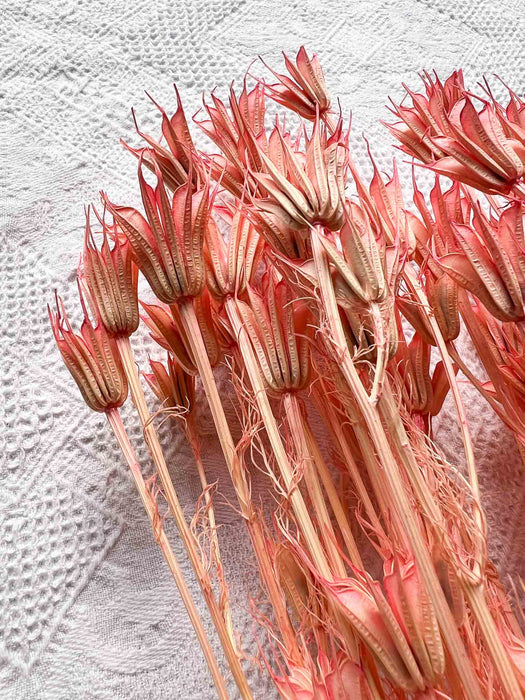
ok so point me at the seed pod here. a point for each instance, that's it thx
(169, 334)
(168, 245)
(373, 620)
(308, 188)
(445, 131)
(414, 611)
(442, 295)
(230, 266)
(93, 360)
(110, 278)
(294, 581)
(304, 91)
(172, 385)
(173, 161)
(280, 333)
(417, 319)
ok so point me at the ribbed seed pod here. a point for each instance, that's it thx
(93, 360)
(168, 243)
(172, 385)
(279, 331)
(110, 278)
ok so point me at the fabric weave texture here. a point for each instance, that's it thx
(87, 606)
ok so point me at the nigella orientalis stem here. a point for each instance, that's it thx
(152, 440)
(150, 507)
(388, 462)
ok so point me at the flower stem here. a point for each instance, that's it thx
(242, 489)
(391, 469)
(335, 425)
(314, 456)
(296, 498)
(295, 420)
(150, 506)
(193, 440)
(478, 604)
(415, 286)
(152, 440)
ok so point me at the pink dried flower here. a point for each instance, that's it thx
(168, 243)
(110, 277)
(304, 91)
(456, 139)
(92, 358)
(175, 161)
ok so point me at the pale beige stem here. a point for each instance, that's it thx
(272, 430)
(391, 469)
(152, 440)
(266, 568)
(150, 506)
(295, 421)
(478, 604)
(335, 426)
(381, 343)
(192, 437)
(413, 283)
(333, 497)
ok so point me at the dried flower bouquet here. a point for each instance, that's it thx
(318, 301)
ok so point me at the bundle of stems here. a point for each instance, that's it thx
(336, 317)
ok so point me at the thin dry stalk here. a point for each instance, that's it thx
(152, 440)
(295, 421)
(193, 440)
(415, 287)
(150, 506)
(314, 461)
(238, 478)
(388, 462)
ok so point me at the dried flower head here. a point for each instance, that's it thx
(237, 134)
(92, 358)
(280, 330)
(231, 265)
(423, 391)
(304, 90)
(411, 605)
(427, 117)
(172, 385)
(175, 161)
(489, 261)
(369, 613)
(110, 277)
(454, 138)
(168, 243)
(305, 188)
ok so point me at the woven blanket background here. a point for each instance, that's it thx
(87, 608)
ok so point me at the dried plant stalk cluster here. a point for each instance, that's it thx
(321, 301)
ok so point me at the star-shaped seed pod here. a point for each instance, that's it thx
(168, 242)
(308, 187)
(238, 133)
(92, 358)
(304, 90)
(109, 279)
(485, 256)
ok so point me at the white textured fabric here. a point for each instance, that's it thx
(87, 608)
